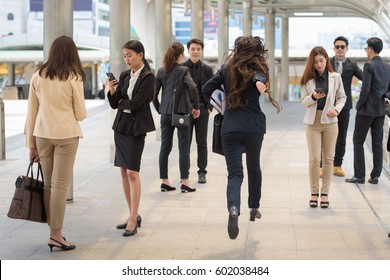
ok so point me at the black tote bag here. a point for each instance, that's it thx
(217, 142)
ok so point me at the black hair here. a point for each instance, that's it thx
(137, 46)
(195, 41)
(341, 38)
(375, 43)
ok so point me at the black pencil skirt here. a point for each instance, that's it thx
(128, 150)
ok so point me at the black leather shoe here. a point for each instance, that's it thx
(254, 214)
(185, 189)
(355, 180)
(202, 178)
(166, 188)
(233, 223)
(374, 180)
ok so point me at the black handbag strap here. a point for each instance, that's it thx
(174, 93)
(30, 170)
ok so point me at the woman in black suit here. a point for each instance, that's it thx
(131, 97)
(175, 80)
(244, 77)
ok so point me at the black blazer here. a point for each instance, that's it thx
(140, 121)
(249, 117)
(350, 69)
(376, 83)
(206, 73)
(186, 95)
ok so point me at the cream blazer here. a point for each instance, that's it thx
(335, 98)
(54, 109)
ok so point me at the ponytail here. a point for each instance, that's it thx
(171, 55)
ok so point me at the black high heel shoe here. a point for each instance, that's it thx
(324, 204)
(313, 203)
(62, 247)
(166, 188)
(185, 189)
(130, 232)
(123, 226)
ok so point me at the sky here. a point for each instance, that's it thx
(306, 32)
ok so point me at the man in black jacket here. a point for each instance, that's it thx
(200, 73)
(371, 113)
(347, 69)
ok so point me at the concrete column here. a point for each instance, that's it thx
(285, 59)
(223, 30)
(197, 19)
(270, 45)
(247, 15)
(57, 21)
(2, 130)
(163, 29)
(119, 35)
(11, 74)
(94, 79)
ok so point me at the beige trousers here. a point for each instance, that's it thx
(321, 137)
(57, 158)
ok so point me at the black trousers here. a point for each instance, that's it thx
(183, 136)
(200, 125)
(233, 145)
(343, 121)
(362, 124)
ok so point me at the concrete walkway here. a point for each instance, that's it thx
(192, 226)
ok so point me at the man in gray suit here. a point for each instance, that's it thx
(371, 113)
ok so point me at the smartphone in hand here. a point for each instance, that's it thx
(319, 90)
(110, 76)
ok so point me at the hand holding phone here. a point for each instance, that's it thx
(110, 76)
(319, 93)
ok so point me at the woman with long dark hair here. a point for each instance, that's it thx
(322, 93)
(179, 95)
(131, 97)
(244, 77)
(55, 107)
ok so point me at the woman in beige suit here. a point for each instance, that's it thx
(323, 96)
(55, 107)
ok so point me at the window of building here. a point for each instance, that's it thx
(104, 16)
(10, 16)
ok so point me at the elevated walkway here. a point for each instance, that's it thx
(192, 226)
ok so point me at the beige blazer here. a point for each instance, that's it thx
(335, 98)
(54, 109)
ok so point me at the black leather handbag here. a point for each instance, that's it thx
(180, 120)
(217, 142)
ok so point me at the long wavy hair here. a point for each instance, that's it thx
(173, 52)
(63, 62)
(310, 72)
(248, 57)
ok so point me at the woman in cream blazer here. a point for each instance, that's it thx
(55, 107)
(322, 93)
